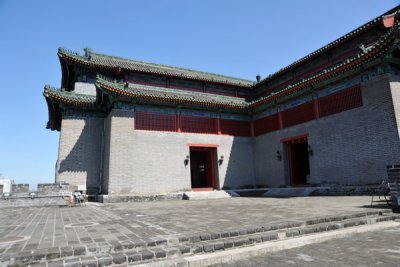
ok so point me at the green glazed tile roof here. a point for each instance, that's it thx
(331, 45)
(162, 94)
(381, 46)
(105, 61)
(67, 97)
(170, 95)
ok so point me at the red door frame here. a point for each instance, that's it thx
(211, 175)
(290, 141)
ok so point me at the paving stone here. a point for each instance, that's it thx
(139, 244)
(38, 264)
(219, 246)
(104, 260)
(57, 263)
(233, 233)
(225, 235)
(197, 249)
(181, 263)
(39, 254)
(161, 242)
(256, 239)
(215, 236)
(134, 256)
(194, 239)
(52, 253)
(228, 244)
(269, 236)
(147, 254)
(116, 246)
(205, 237)
(208, 247)
(127, 244)
(184, 249)
(183, 239)
(74, 262)
(24, 257)
(159, 253)
(118, 258)
(79, 250)
(89, 261)
(292, 233)
(151, 243)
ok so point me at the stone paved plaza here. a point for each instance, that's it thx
(375, 248)
(101, 233)
(102, 225)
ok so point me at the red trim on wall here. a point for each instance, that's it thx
(202, 145)
(298, 115)
(347, 99)
(297, 137)
(235, 127)
(280, 120)
(340, 101)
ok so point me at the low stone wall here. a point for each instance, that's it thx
(19, 188)
(48, 188)
(51, 189)
(27, 201)
(136, 198)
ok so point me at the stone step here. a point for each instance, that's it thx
(289, 192)
(162, 249)
(216, 194)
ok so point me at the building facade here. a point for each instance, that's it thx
(132, 127)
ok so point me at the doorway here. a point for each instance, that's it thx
(202, 168)
(299, 163)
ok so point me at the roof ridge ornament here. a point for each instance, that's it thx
(88, 52)
(390, 20)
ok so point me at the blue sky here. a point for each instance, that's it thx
(239, 38)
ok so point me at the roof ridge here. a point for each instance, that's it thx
(51, 90)
(170, 66)
(125, 85)
(101, 59)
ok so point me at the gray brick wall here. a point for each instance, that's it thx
(79, 153)
(395, 91)
(85, 88)
(349, 148)
(144, 162)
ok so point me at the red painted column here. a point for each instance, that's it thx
(178, 122)
(218, 125)
(252, 128)
(280, 120)
(316, 109)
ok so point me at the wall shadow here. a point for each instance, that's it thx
(240, 165)
(82, 164)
